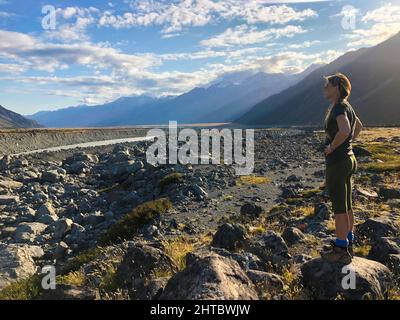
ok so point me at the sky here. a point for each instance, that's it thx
(55, 54)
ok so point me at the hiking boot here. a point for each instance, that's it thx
(333, 244)
(337, 254)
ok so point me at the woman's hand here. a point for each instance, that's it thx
(328, 150)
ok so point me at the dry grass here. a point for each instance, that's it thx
(74, 278)
(252, 180)
(127, 226)
(385, 157)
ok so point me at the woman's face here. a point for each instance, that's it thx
(330, 91)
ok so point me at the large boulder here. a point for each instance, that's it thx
(17, 262)
(251, 209)
(375, 228)
(362, 279)
(210, 277)
(270, 248)
(387, 251)
(141, 264)
(69, 292)
(229, 236)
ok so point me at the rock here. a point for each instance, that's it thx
(61, 251)
(292, 235)
(5, 162)
(293, 178)
(389, 193)
(140, 263)
(321, 211)
(28, 231)
(199, 192)
(17, 262)
(20, 162)
(6, 200)
(152, 290)
(70, 292)
(324, 280)
(375, 228)
(46, 214)
(269, 247)
(10, 184)
(212, 278)
(387, 251)
(78, 167)
(251, 209)
(367, 193)
(62, 227)
(361, 152)
(51, 176)
(46, 209)
(289, 192)
(229, 236)
(266, 282)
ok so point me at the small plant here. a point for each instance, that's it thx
(74, 278)
(127, 226)
(25, 289)
(82, 258)
(304, 211)
(362, 250)
(177, 249)
(172, 178)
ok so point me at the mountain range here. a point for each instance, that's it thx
(223, 100)
(375, 76)
(11, 120)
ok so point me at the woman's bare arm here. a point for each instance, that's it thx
(358, 128)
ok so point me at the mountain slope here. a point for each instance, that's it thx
(12, 120)
(374, 73)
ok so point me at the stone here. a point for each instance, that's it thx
(375, 228)
(361, 152)
(229, 236)
(269, 247)
(28, 231)
(266, 282)
(251, 209)
(6, 200)
(321, 211)
(17, 262)
(199, 192)
(10, 184)
(46, 209)
(61, 250)
(62, 227)
(51, 176)
(292, 235)
(389, 193)
(324, 280)
(386, 250)
(140, 262)
(210, 278)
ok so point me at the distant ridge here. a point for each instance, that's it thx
(13, 120)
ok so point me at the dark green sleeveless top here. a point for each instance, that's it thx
(331, 129)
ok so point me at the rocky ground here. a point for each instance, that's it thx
(116, 227)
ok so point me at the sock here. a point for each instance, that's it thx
(342, 243)
(350, 236)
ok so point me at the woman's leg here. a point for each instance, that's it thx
(349, 186)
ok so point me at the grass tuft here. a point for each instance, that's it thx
(126, 227)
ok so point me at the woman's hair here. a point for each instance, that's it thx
(341, 81)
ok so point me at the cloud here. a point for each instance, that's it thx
(174, 16)
(245, 35)
(384, 22)
(29, 51)
(72, 24)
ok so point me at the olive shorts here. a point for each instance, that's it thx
(339, 183)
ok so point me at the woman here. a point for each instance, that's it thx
(342, 126)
